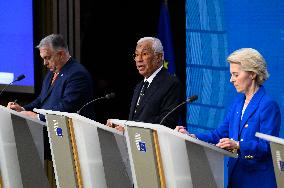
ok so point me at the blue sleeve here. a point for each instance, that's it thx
(34, 104)
(37, 102)
(221, 132)
(270, 121)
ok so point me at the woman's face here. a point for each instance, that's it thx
(242, 80)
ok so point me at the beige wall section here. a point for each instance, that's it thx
(61, 148)
(277, 151)
(144, 162)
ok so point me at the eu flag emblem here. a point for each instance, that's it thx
(281, 164)
(59, 132)
(142, 146)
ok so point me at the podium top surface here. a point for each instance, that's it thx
(270, 138)
(78, 117)
(3, 108)
(162, 128)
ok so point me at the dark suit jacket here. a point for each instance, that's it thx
(161, 97)
(71, 90)
(253, 167)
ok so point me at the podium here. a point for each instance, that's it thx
(86, 153)
(21, 151)
(161, 157)
(277, 152)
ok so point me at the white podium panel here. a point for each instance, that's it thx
(162, 157)
(21, 151)
(86, 153)
(277, 151)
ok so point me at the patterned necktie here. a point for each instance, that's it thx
(55, 75)
(142, 93)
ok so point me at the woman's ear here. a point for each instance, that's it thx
(253, 75)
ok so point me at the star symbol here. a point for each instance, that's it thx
(166, 64)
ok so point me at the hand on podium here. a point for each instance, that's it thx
(229, 144)
(15, 106)
(30, 114)
(112, 125)
(183, 130)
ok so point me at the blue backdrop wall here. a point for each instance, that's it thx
(16, 41)
(216, 28)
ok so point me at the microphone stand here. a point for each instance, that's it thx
(17, 79)
(6, 87)
(78, 112)
(107, 96)
(190, 99)
(172, 111)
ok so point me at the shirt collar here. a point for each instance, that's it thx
(150, 79)
(59, 70)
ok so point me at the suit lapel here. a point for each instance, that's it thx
(154, 86)
(150, 91)
(252, 106)
(48, 88)
(134, 100)
(237, 122)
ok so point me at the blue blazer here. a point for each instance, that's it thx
(253, 167)
(70, 91)
(163, 94)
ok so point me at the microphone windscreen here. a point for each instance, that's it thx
(110, 96)
(22, 76)
(192, 98)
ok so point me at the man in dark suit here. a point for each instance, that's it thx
(66, 87)
(159, 92)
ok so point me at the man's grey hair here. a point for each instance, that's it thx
(55, 41)
(156, 44)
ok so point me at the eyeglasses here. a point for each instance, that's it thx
(144, 54)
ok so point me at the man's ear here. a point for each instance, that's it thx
(61, 52)
(159, 57)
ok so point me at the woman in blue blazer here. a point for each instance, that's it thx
(252, 111)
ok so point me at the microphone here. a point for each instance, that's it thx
(190, 99)
(110, 96)
(107, 96)
(19, 78)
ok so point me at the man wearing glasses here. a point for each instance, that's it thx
(159, 92)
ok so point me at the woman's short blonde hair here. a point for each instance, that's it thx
(250, 60)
